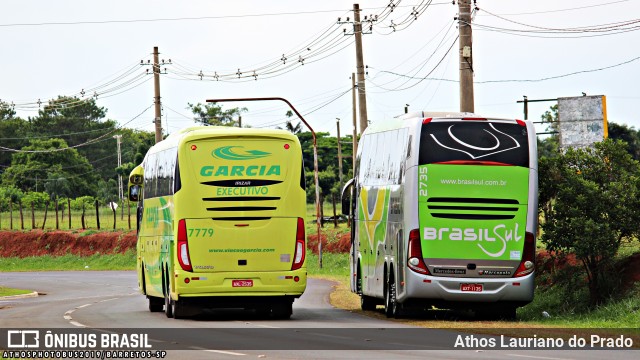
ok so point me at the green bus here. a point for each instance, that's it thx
(445, 214)
(220, 221)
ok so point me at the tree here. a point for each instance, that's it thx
(294, 129)
(628, 135)
(34, 164)
(212, 114)
(13, 130)
(80, 122)
(592, 200)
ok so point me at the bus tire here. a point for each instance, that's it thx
(391, 305)
(367, 303)
(155, 304)
(168, 303)
(180, 310)
(282, 309)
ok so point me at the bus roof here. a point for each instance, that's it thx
(196, 132)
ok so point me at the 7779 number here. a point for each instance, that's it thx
(196, 232)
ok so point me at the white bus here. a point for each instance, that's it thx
(445, 214)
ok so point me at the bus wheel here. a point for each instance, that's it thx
(168, 303)
(282, 309)
(179, 310)
(391, 306)
(155, 304)
(367, 303)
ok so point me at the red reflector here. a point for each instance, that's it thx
(186, 280)
(286, 146)
(195, 278)
(241, 225)
(296, 278)
(288, 277)
(521, 123)
(474, 118)
(426, 281)
(426, 121)
(193, 147)
(516, 284)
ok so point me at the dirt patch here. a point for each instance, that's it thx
(57, 243)
(339, 245)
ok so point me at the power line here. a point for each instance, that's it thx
(88, 142)
(518, 80)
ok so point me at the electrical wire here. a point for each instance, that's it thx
(88, 142)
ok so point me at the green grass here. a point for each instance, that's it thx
(570, 309)
(106, 219)
(5, 291)
(333, 265)
(68, 262)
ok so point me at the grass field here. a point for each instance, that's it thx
(124, 220)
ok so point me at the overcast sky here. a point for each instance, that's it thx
(61, 47)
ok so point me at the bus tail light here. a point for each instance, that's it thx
(298, 256)
(416, 261)
(528, 256)
(183, 247)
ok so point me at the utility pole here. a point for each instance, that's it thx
(362, 98)
(355, 127)
(120, 190)
(466, 56)
(239, 121)
(339, 154)
(156, 86)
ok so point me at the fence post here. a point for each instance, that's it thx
(21, 217)
(97, 215)
(82, 216)
(33, 217)
(335, 216)
(10, 214)
(57, 219)
(69, 207)
(46, 210)
(129, 212)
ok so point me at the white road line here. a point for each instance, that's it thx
(266, 326)
(109, 299)
(75, 323)
(539, 357)
(225, 352)
(83, 306)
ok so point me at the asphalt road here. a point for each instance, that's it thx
(110, 299)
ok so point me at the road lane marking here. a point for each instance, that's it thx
(538, 357)
(226, 352)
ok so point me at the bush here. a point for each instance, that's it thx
(591, 201)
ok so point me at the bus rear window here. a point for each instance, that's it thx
(474, 141)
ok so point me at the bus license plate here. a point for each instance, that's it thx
(471, 287)
(242, 283)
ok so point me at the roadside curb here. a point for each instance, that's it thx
(21, 296)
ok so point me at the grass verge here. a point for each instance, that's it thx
(5, 291)
(126, 261)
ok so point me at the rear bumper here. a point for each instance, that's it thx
(440, 290)
(276, 283)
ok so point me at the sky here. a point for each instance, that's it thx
(541, 49)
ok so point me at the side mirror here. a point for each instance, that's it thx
(346, 197)
(134, 193)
